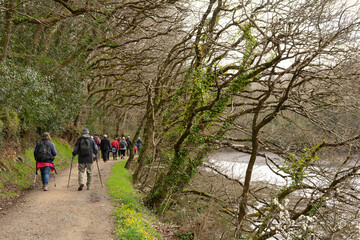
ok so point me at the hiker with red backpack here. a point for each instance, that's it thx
(86, 149)
(115, 147)
(44, 154)
(97, 141)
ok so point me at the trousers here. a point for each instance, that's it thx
(82, 167)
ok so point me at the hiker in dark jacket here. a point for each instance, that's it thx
(123, 146)
(44, 154)
(139, 144)
(105, 147)
(128, 142)
(86, 149)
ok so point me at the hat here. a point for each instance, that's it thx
(85, 131)
(105, 135)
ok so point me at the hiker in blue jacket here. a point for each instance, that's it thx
(139, 144)
(44, 154)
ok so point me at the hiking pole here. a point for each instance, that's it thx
(55, 172)
(97, 164)
(72, 159)
(35, 179)
(54, 180)
(36, 173)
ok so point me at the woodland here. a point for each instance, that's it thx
(191, 77)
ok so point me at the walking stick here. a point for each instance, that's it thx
(54, 180)
(72, 159)
(55, 172)
(36, 173)
(97, 164)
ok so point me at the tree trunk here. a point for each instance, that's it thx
(9, 5)
(137, 134)
(147, 141)
(148, 128)
(246, 188)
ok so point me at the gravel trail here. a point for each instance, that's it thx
(62, 213)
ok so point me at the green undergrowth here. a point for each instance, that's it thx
(133, 221)
(18, 174)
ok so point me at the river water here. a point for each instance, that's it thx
(234, 164)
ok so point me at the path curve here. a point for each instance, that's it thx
(61, 213)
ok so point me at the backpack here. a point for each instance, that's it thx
(97, 141)
(44, 152)
(122, 144)
(85, 148)
(114, 149)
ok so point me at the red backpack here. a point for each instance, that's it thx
(97, 141)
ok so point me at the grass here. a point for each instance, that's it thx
(133, 221)
(17, 175)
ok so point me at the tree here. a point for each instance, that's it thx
(283, 61)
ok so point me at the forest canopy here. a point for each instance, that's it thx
(264, 78)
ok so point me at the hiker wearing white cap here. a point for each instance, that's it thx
(105, 147)
(122, 146)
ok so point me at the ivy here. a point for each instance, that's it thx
(297, 166)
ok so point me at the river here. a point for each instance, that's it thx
(234, 164)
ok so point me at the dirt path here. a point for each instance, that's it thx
(62, 213)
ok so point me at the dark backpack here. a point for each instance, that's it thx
(44, 152)
(85, 148)
(122, 144)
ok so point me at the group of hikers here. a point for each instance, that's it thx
(119, 146)
(87, 148)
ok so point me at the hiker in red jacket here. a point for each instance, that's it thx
(115, 147)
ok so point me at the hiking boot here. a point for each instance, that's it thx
(88, 188)
(45, 187)
(80, 187)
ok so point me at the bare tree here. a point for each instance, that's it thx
(270, 64)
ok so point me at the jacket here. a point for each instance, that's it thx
(115, 143)
(139, 143)
(128, 142)
(52, 149)
(123, 144)
(105, 144)
(88, 158)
